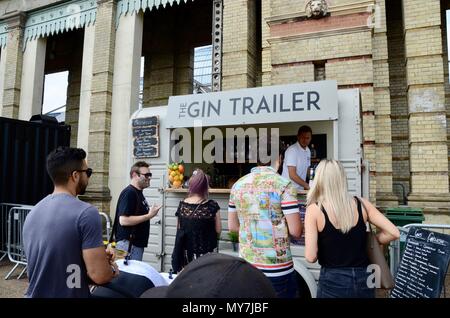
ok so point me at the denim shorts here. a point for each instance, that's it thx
(136, 254)
(344, 282)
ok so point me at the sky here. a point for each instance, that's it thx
(55, 91)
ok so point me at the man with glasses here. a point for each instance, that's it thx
(63, 235)
(134, 213)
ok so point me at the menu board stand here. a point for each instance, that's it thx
(424, 264)
(146, 137)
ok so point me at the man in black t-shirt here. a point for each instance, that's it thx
(134, 212)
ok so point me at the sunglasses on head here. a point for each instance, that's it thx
(147, 175)
(88, 172)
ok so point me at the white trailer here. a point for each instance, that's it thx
(343, 134)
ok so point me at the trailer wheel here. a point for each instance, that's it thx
(303, 291)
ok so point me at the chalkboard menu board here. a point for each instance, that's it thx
(423, 266)
(146, 137)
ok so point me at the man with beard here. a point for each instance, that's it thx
(63, 235)
(134, 214)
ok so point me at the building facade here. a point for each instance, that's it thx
(394, 51)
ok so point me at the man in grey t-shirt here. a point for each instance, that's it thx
(63, 235)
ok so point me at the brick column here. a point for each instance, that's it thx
(73, 103)
(266, 51)
(382, 103)
(184, 58)
(86, 87)
(446, 83)
(2, 76)
(399, 100)
(159, 78)
(13, 65)
(239, 44)
(159, 67)
(184, 71)
(426, 101)
(98, 192)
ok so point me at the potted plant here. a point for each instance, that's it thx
(234, 239)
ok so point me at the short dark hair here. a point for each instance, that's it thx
(62, 161)
(136, 166)
(304, 129)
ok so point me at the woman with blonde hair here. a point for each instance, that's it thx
(335, 234)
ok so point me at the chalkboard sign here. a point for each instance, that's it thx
(146, 137)
(423, 266)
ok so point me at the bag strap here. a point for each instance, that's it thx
(361, 204)
(199, 204)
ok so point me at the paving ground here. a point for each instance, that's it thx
(12, 288)
(15, 288)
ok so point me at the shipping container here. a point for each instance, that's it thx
(24, 148)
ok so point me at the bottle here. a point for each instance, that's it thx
(311, 176)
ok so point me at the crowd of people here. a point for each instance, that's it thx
(66, 253)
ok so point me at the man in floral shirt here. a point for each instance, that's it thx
(263, 208)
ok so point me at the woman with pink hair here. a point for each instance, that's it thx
(198, 225)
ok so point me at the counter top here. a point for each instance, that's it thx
(182, 190)
(223, 191)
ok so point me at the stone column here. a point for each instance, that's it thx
(426, 102)
(98, 192)
(125, 102)
(13, 65)
(381, 94)
(32, 86)
(86, 87)
(239, 44)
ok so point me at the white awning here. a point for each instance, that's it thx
(59, 18)
(303, 102)
(131, 6)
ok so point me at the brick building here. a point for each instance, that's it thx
(394, 51)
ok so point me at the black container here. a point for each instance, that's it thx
(24, 147)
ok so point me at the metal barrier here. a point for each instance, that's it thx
(11, 233)
(16, 250)
(4, 210)
(395, 248)
(107, 226)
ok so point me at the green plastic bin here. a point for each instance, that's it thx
(402, 216)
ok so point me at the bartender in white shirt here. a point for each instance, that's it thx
(297, 159)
